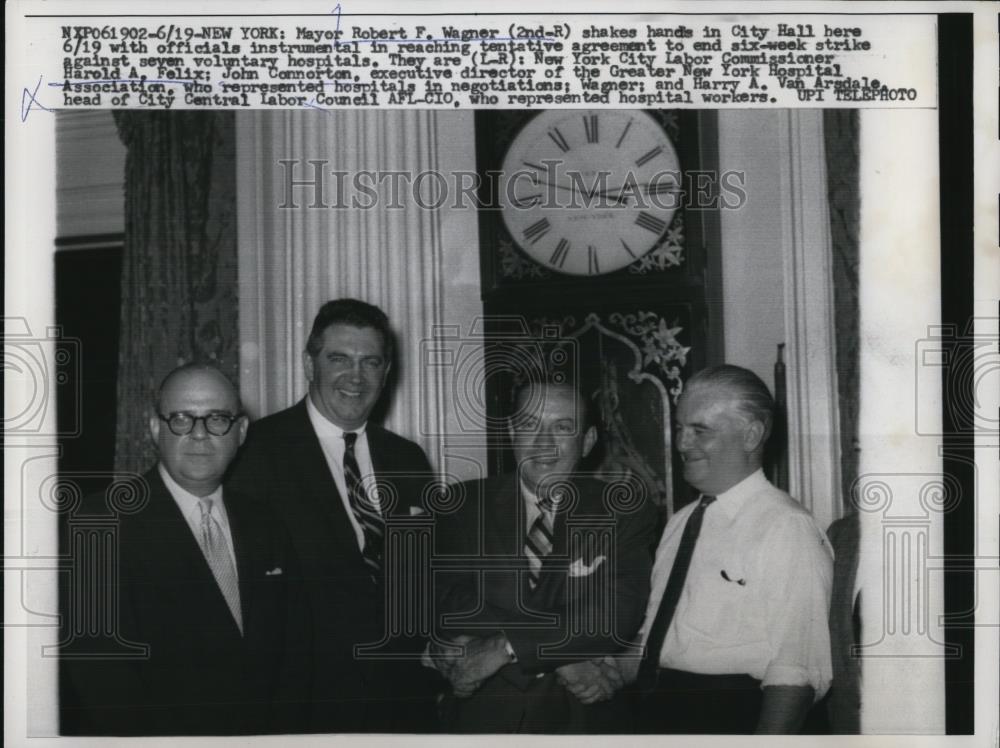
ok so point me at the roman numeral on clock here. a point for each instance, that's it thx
(592, 265)
(558, 139)
(649, 156)
(627, 248)
(621, 138)
(650, 223)
(558, 257)
(590, 127)
(537, 230)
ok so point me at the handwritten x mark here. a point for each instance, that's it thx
(32, 100)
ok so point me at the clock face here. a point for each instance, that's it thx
(589, 192)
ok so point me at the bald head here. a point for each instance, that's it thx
(188, 395)
(200, 374)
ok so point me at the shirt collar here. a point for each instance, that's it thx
(528, 496)
(733, 499)
(324, 427)
(534, 500)
(188, 502)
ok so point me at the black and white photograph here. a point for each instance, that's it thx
(430, 370)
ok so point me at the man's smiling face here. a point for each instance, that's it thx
(346, 377)
(549, 434)
(717, 443)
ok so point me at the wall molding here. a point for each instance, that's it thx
(813, 418)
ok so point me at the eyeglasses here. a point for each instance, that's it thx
(216, 423)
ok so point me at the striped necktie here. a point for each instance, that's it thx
(538, 543)
(216, 550)
(671, 596)
(365, 511)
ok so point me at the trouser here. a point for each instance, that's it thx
(694, 703)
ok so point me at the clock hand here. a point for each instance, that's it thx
(571, 188)
(618, 199)
(610, 192)
(658, 187)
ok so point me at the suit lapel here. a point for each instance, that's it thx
(559, 540)
(379, 452)
(314, 471)
(507, 530)
(503, 526)
(183, 559)
(552, 581)
(502, 537)
(164, 521)
(553, 572)
(242, 549)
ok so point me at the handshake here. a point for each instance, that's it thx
(468, 661)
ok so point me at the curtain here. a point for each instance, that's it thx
(295, 255)
(179, 281)
(841, 133)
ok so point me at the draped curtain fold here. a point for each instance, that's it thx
(841, 135)
(304, 240)
(179, 277)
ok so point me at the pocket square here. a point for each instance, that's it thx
(276, 571)
(579, 569)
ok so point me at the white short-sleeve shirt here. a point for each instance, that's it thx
(757, 595)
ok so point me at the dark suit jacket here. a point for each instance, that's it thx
(201, 676)
(844, 704)
(566, 619)
(282, 463)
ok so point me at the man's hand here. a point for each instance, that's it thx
(483, 657)
(590, 681)
(444, 657)
(626, 665)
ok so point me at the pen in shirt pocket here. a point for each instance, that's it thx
(740, 582)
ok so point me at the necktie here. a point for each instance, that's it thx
(538, 543)
(216, 550)
(671, 596)
(365, 511)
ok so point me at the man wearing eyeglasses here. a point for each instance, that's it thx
(207, 580)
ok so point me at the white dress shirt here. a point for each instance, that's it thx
(331, 439)
(756, 599)
(189, 506)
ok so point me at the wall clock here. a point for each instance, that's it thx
(587, 193)
(632, 275)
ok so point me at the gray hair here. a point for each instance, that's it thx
(753, 398)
